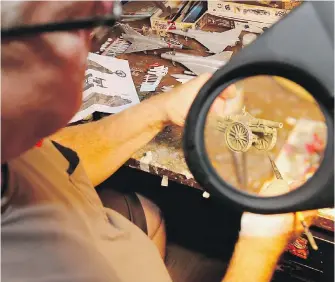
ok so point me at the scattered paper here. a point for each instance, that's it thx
(105, 45)
(165, 181)
(167, 88)
(182, 81)
(206, 195)
(119, 46)
(189, 73)
(183, 78)
(187, 174)
(248, 38)
(145, 161)
(153, 78)
(108, 87)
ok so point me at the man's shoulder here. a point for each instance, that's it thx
(45, 153)
(70, 155)
(47, 173)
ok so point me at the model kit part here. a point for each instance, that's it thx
(199, 64)
(215, 42)
(119, 46)
(153, 78)
(242, 131)
(140, 42)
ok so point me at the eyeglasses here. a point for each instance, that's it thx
(87, 23)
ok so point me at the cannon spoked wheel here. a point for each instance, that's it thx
(266, 142)
(238, 137)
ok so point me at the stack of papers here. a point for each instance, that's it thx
(108, 87)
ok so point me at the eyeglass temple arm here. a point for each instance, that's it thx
(57, 27)
(92, 22)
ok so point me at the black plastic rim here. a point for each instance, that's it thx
(201, 167)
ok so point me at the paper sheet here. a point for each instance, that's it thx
(108, 87)
(152, 79)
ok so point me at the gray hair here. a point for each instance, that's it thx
(11, 13)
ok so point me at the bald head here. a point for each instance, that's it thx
(42, 76)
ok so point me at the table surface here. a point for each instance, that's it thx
(163, 156)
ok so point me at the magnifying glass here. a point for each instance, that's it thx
(265, 121)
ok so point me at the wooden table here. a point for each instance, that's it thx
(163, 156)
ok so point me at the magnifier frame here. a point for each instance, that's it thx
(201, 167)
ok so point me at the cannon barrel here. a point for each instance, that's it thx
(264, 130)
(274, 124)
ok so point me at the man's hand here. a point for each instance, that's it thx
(284, 227)
(179, 100)
(262, 240)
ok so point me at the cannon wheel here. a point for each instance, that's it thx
(266, 142)
(238, 137)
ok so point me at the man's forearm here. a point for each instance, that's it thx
(105, 145)
(254, 259)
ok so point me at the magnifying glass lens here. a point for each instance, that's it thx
(265, 135)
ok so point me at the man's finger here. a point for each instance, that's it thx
(276, 187)
(229, 92)
(219, 103)
(310, 216)
(307, 216)
(194, 85)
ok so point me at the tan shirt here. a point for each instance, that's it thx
(54, 227)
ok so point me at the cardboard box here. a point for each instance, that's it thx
(286, 4)
(139, 8)
(250, 26)
(246, 12)
(162, 25)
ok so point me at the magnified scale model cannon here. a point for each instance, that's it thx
(242, 131)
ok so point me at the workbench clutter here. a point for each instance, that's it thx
(179, 32)
(179, 15)
(114, 47)
(100, 93)
(201, 36)
(138, 32)
(153, 78)
(253, 16)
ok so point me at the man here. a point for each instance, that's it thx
(54, 226)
